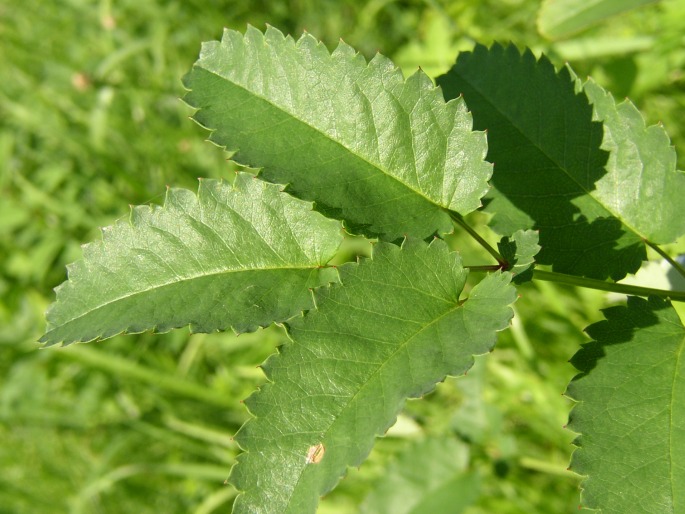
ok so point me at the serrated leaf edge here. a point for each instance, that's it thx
(379, 60)
(505, 276)
(75, 268)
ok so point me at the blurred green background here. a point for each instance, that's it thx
(91, 121)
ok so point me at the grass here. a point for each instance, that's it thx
(90, 120)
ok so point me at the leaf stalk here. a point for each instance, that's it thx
(561, 278)
(459, 220)
(676, 265)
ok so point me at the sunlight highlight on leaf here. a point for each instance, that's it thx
(234, 256)
(394, 328)
(385, 154)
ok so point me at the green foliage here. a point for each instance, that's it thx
(631, 414)
(387, 156)
(560, 18)
(641, 169)
(394, 328)
(233, 256)
(563, 185)
(90, 120)
(430, 476)
(395, 325)
(519, 252)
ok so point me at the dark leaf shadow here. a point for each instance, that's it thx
(547, 157)
(620, 325)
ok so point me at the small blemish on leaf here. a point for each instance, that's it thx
(315, 453)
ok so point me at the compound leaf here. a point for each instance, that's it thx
(549, 163)
(394, 328)
(631, 410)
(386, 155)
(233, 256)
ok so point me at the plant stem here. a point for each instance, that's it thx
(561, 278)
(460, 221)
(486, 267)
(678, 267)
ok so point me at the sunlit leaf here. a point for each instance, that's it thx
(642, 185)
(231, 256)
(393, 329)
(386, 155)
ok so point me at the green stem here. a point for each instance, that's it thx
(560, 278)
(486, 267)
(678, 267)
(460, 221)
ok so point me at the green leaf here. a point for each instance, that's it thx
(386, 155)
(429, 477)
(631, 410)
(560, 18)
(519, 252)
(548, 161)
(233, 256)
(393, 329)
(642, 185)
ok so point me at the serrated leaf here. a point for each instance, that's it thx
(631, 410)
(549, 167)
(233, 256)
(519, 252)
(560, 18)
(642, 185)
(386, 155)
(393, 329)
(429, 477)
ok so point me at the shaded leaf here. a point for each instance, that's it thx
(519, 252)
(546, 150)
(386, 155)
(631, 410)
(429, 477)
(560, 18)
(393, 329)
(233, 256)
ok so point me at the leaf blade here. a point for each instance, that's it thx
(631, 414)
(211, 260)
(386, 155)
(642, 185)
(549, 159)
(392, 330)
(519, 252)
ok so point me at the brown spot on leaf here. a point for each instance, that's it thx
(315, 453)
